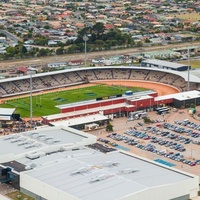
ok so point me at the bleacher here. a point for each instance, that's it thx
(57, 79)
(139, 74)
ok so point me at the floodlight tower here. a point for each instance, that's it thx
(85, 38)
(31, 72)
(188, 83)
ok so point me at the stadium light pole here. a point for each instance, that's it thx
(85, 38)
(31, 72)
(188, 83)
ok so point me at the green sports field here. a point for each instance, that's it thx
(45, 104)
(193, 63)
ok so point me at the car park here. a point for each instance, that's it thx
(168, 140)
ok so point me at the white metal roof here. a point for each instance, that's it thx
(41, 139)
(164, 63)
(195, 72)
(180, 96)
(103, 176)
(80, 120)
(7, 111)
(137, 98)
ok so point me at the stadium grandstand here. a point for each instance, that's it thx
(65, 78)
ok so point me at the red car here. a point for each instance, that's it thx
(192, 164)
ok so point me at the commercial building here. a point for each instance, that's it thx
(65, 164)
(180, 100)
(6, 114)
(112, 106)
(77, 115)
(154, 63)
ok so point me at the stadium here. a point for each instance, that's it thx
(172, 81)
(64, 78)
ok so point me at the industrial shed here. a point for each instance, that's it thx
(6, 114)
(184, 100)
(64, 165)
(154, 63)
(180, 100)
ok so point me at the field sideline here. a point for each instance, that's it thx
(193, 63)
(44, 104)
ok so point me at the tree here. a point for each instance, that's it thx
(147, 40)
(72, 49)
(47, 26)
(41, 40)
(98, 28)
(109, 127)
(192, 105)
(30, 34)
(60, 51)
(100, 43)
(139, 44)
(42, 52)
(20, 49)
(11, 51)
(147, 120)
(3, 35)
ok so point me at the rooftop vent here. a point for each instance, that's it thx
(99, 178)
(129, 171)
(80, 171)
(110, 164)
(11, 137)
(29, 167)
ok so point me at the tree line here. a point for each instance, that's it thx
(98, 39)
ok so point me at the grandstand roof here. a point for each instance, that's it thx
(195, 72)
(88, 174)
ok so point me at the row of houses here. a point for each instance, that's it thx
(61, 20)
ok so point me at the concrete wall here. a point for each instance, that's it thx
(187, 188)
(41, 190)
(178, 190)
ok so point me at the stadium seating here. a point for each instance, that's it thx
(66, 78)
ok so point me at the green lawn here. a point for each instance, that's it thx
(194, 16)
(18, 195)
(45, 104)
(193, 63)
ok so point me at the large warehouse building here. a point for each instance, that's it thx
(64, 164)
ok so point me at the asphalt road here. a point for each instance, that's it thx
(10, 36)
(90, 55)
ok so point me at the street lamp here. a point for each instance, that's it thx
(85, 38)
(31, 72)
